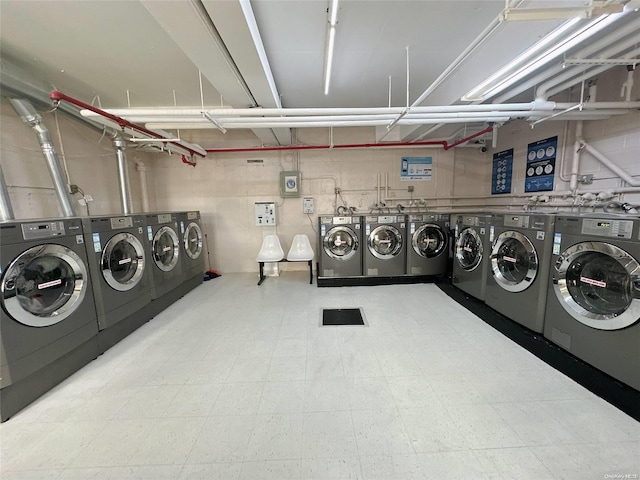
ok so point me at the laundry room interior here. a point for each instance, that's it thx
(214, 190)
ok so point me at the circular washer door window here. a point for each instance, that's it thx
(166, 248)
(598, 284)
(429, 240)
(340, 243)
(44, 285)
(193, 240)
(514, 261)
(469, 249)
(122, 262)
(385, 242)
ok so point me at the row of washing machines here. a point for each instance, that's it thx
(383, 245)
(73, 287)
(573, 278)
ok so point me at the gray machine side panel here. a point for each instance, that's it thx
(23, 367)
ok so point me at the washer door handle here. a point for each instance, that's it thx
(635, 286)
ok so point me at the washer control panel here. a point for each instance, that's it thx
(607, 227)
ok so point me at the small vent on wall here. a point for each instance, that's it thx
(255, 161)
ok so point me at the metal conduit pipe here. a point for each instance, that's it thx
(123, 174)
(142, 176)
(6, 210)
(29, 116)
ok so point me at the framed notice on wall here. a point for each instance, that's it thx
(502, 172)
(416, 168)
(541, 165)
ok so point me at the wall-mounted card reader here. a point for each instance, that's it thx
(265, 214)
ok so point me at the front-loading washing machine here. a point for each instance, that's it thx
(118, 267)
(192, 249)
(164, 248)
(471, 252)
(48, 322)
(518, 272)
(386, 249)
(428, 252)
(593, 302)
(340, 241)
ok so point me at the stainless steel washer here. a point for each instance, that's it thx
(471, 253)
(340, 240)
(48, 323)
(593, 300)
(428, 253)
(518, 273)
(386, 247)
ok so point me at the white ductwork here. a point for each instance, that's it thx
(6, 210)
(29, 116)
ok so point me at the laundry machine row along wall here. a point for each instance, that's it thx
(389, 246)
(73, 287)
(573, 278)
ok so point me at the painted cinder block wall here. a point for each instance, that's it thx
(224, 187)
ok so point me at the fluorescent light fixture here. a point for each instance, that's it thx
(537, 56)
(214, 121)
(553, 13)
(331, 40)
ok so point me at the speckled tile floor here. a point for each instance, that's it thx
(236, 381)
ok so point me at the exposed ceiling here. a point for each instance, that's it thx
(165, 53)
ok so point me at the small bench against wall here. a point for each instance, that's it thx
(271, 252)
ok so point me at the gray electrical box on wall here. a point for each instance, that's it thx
(290, 184)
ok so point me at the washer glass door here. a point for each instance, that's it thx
(514, 261)
(340, 243)
(166, 248)
(193, 240)
(123, 261)
(469, 249)
(385, 242)
(598, 284)
(44, 285)
(429, 240)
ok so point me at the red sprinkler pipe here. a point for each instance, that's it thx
(470, 137)
(442, 143)
(58, 96)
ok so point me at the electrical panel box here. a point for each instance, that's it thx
(307, 205)
(290, 184)
(265, 214)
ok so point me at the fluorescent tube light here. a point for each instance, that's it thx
(517, 69)
(331, 39)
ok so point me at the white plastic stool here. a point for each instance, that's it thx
(301, 251)
(271, 251)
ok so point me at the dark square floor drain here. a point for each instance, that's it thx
(342, 316)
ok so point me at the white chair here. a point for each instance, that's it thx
(301, 251)
(271, 251)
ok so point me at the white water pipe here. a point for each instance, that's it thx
(575, 163)
(611, 166)
(6, 210)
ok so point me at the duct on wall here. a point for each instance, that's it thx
(29, 116)
(142, 176)
(123, 174)
(6, 210)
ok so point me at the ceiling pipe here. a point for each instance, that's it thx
(120, 146)
(58, 96)
(440, 143)
(6, 210)
(613, 41)
(29, 116)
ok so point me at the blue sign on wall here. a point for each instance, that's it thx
(501, 173)
(541, 165)
(416, 168)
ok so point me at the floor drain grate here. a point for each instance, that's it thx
(342, 316)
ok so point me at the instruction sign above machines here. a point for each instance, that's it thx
(541, 165)
(416, 168)
(502, 172)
